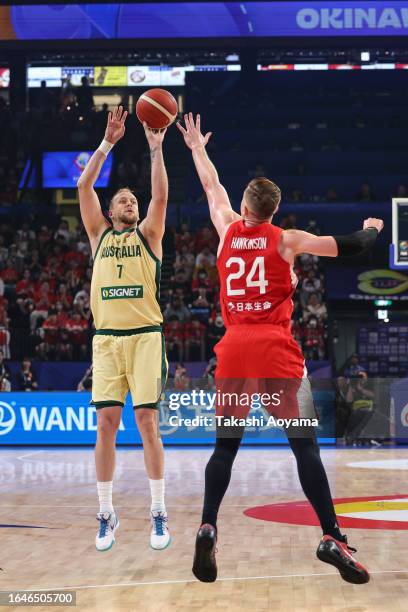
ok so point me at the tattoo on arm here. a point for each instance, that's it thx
(153, 154)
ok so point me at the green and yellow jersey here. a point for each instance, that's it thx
(125, 282)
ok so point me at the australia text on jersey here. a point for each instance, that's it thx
(121, 251)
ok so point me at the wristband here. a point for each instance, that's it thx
(105, 147)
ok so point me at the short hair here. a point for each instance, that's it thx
(118, 191)
(263, 197)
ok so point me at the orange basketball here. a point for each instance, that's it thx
(157, 107)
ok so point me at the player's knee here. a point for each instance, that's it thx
(147, 423)
(107, 424)
(226, 449)
(304, 448)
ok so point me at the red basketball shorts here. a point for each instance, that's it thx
(261, 364)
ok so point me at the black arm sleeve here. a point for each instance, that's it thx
(357, 243)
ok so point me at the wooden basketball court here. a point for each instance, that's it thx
(263, 565)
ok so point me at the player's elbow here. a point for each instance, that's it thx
(84, 184)
(210, 185)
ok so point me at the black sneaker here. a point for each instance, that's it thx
(338, 553)
(205, 566)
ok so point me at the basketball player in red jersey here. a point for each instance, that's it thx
(257, 282)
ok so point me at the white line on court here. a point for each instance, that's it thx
(191, 580)
(140, 505)
(29, 454)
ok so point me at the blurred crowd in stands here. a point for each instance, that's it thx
(45, 278)
(307, 153)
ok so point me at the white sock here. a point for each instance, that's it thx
(157, 491)
(105, 496)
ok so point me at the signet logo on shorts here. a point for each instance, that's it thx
(123, 292)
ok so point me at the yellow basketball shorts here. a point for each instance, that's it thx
(126, 360)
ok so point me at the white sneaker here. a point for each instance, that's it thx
(108, 523)
(159, 536)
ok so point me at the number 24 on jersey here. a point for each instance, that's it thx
(254, 278)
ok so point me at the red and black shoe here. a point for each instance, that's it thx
(205, 566)
(338, 553)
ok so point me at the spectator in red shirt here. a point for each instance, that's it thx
(74, 255)
(62, 315)
(194, 334)
(49, 347)
(181, 280)
(77, 328)
(185, 237)
(314, 339)
(25, 287)
(202, 279)
(74, 276)
(9, 274)
(55, 262)
(206, 237)
(174, 334)
(43, 299)
(63, 296)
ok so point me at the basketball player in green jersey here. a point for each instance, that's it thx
(128, 346)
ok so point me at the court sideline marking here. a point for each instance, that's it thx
(230, 579)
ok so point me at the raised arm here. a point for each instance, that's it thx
(90, 207)
(221, 212)
(295, 242)
(153, 226)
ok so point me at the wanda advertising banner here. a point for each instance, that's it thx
(67, 418)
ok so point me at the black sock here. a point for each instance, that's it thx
(315, 485)
(217, 477)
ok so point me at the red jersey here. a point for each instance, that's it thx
(257, 285)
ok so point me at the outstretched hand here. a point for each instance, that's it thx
(192, 133)
(115, 127)
(154, 137)
(373, 222)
